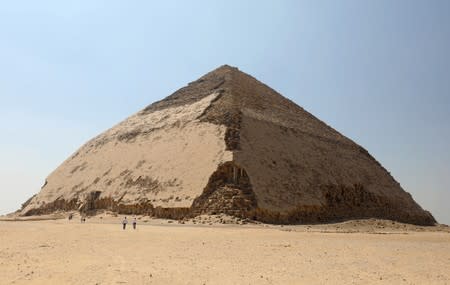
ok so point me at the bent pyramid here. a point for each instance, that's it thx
(227, 143)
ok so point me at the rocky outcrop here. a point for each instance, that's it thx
(228, 191)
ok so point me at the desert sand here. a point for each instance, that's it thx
(207, 252)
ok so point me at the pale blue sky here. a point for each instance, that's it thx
(377, 71)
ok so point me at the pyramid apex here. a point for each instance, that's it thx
(221, 70)
(227, 67)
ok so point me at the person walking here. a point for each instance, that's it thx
(134, 223)
(124, 223)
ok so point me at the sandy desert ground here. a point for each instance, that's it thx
(166, 252)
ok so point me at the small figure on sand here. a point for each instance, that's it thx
(124, 223)
(134, 223)
(70, 216)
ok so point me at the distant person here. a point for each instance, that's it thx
(70, 217)
(134, 223)
(124, 223)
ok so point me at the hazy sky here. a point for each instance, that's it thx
(377, 71)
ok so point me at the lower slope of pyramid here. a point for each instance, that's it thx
(298, 177)
(163, 158)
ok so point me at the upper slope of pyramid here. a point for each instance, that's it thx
(242, 93)
(213, 81)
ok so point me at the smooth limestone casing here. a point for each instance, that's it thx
(174, 151)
